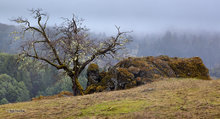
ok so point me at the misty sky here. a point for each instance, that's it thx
(137, 15)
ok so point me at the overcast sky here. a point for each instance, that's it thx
(137, 15)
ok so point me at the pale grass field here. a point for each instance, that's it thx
(168, 98)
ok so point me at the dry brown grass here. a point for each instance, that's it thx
(170, 98)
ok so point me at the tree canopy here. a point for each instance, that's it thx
(12, 90)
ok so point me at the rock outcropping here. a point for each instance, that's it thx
(133, 71)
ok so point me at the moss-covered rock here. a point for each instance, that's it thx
(93, 74)
(93, 67)
(189, 68)
(124, 78)
(164, 66)
(135, 71)
(91, 89)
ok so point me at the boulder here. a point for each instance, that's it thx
(93, 74)
(135, 71)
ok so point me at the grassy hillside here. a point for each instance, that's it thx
(170, 98)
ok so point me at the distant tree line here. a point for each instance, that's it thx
(183, 44)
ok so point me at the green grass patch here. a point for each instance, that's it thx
(115, 107)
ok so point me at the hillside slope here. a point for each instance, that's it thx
(169, 98)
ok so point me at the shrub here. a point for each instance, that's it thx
(3, 101)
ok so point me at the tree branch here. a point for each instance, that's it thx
(104, 51)
(46, 60)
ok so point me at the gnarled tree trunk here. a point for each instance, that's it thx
(76, 86)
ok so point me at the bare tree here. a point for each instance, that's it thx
(67, 47)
